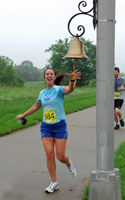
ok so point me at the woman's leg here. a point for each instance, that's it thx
(60, 151)
(48, 143)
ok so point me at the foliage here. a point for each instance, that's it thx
(61, 64)
(91, 83)
(86, 193)
(8, 75)
(28, 72)
(122, 74)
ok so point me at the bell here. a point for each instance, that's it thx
(76, 49)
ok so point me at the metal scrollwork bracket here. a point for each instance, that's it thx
(94, 16)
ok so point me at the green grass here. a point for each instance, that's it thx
(34, 83)
(14, 101)
(86, 193)
(119, 162)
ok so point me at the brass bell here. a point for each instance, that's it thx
(76, 49)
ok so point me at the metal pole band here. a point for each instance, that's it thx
(107, 20)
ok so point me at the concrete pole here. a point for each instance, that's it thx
(105, 180)
(105, 85)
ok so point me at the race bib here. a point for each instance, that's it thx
(116, 95)
(50, 116)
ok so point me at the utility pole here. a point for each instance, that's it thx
(105, 181)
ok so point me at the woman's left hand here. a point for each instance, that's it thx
(72, 76)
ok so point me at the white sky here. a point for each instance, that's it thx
(28, 27)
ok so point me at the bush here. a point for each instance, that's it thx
(91, 83)
(8, 75)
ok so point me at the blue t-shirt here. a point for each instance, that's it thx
(52, 101)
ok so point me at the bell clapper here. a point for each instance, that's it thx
(74, 71)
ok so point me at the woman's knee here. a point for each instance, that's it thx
(50, 155)
(60, 149)
(48, 144)
(60, 157)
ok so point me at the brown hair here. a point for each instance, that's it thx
(117, 69)
(59, 78)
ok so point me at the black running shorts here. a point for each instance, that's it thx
(118, 103)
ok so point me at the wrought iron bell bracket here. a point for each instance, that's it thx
(94, 16)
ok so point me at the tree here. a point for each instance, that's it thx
(28, 72)
(122, 74)
(61, 64)
(8, 75)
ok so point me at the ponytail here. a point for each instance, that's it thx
(59, 79)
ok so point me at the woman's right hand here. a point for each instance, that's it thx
(19, 117)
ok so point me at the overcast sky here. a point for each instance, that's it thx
(28, 27)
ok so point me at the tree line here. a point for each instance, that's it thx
(16, 75)
(28, 72)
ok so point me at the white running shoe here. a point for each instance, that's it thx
(52, 187)
(72, 170)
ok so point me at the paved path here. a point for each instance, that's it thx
(23, 172)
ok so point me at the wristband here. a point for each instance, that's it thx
(72, 80)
